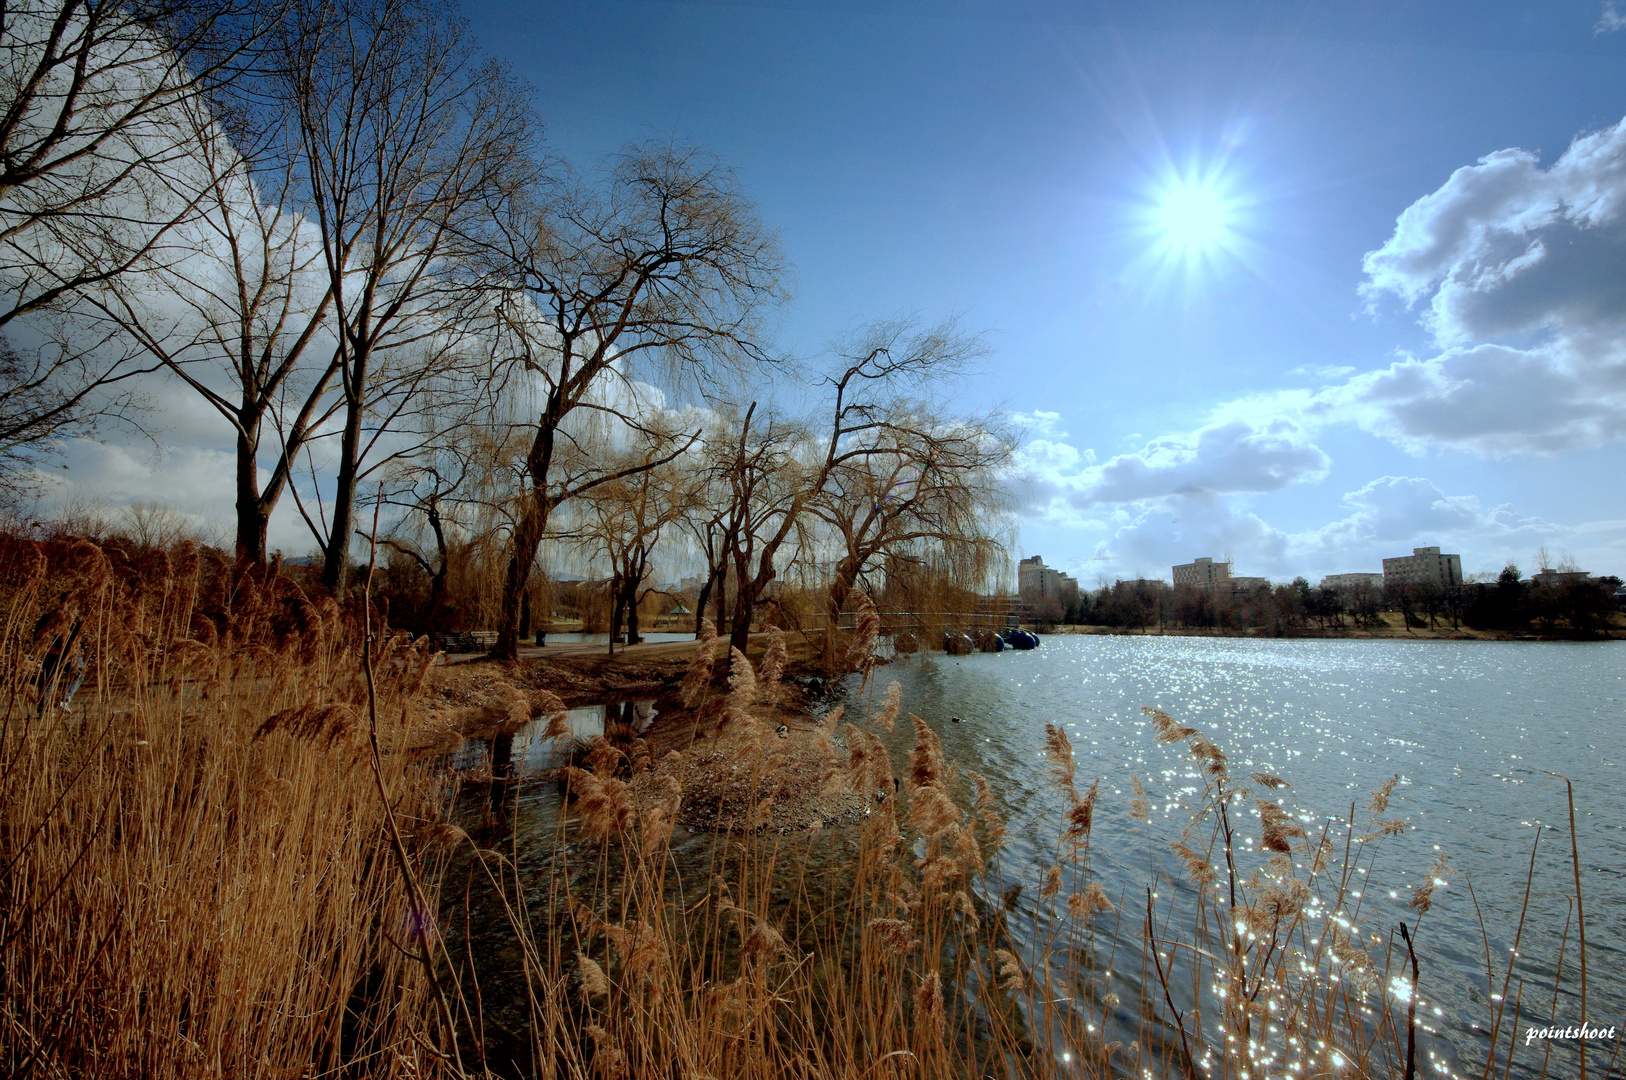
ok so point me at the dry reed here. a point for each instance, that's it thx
(200, 884)
(191, 877)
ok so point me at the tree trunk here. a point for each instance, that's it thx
(336, 556)
(720, 619)
(700, 601)
(533, 524)
(617, 608)
(251, 513)
(841, 587)
(437, 583)
(527, 538)
(739, 634)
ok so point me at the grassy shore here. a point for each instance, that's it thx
(235, 856)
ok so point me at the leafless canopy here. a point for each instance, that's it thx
(660, 268)
(90, 95)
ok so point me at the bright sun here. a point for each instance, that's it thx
(1192, 219)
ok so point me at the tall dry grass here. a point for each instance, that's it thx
(221, 862)
(193, 874)
(894, 947)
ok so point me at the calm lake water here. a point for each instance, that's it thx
(1469, 727)
(1472, 728)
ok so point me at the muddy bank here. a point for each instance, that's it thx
(774, 771)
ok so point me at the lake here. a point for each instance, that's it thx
(1472, 728)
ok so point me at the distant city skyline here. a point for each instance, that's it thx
(1426, 564)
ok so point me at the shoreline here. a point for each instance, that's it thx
(1384, 633)
(770, 780)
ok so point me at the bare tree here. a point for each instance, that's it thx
(626, 517)
(60, 388)
(662, 267)
(768, 481)
(235, 305)
(90, 92)
(917, 485)
(407, 142)
(747, 468)
(878, 363)
(454, 493)
(311, 289)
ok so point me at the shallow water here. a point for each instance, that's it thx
(1472, 728)
(531, 753)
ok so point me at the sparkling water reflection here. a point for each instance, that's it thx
(1471, 728)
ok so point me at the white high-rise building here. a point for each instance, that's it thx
(1034, 578)
(1352, 581)
(1205, 573)
(1424, 566)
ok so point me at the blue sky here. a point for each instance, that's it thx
(1002, 161)
(1407, 327)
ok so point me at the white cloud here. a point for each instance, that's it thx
(1040, 422)
(1324, 371)
(1609, 20)
(1489, 399)
(1226, 457)
(196, 481)
(1391, 514)
(1505, 245)
(1386, 517)
(1232, 456)
(1180, 528)
(1524, 273)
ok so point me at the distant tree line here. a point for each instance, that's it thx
(1571, 605)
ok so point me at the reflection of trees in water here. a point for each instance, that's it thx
(620, 724)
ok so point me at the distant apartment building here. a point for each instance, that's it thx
(1246, 584)
(1352, 581)
(1204, 573)
(1554, 578)
(1424, 566)
(1034, 578)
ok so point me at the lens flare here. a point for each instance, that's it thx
(1193, 218)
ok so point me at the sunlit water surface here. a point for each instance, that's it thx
(1472, 729)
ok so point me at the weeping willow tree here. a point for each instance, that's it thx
(919, 490)
(651, 485)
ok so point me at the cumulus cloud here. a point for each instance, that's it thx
(1386, 517)
(1233, 456)
(1393, 513)
(1489, 399)
(196, 481)
(1523, 270)
(1040, 422)
(1226, 457)
(1148, 540)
